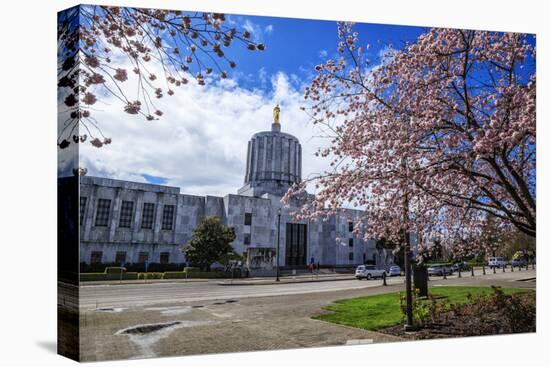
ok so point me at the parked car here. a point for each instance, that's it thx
(496, 262)
(462, 266)
(518, 262)
(368, 272)
(394, 271)
(439, 270)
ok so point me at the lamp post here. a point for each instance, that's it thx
(278, 239)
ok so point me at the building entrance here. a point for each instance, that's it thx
(296, 244)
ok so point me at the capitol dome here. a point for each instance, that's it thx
(273, 162)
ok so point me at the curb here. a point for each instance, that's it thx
(285, 281)
(151, 281)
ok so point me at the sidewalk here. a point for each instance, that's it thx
(303, 278)
(142, 281)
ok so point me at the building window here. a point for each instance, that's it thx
(247, 239)
(350, 226)
(247, 219)
(96, 258)
(164, 257)
(102, 213)
(126, 214)
(143, 257)
(120, 258)
(83, 200)
(168, 217)
(148, 215)
(350, 242)
(351, 256)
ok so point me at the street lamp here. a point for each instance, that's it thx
(278, 239)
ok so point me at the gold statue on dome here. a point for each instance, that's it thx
(276, 113)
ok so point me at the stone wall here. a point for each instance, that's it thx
(322, 235)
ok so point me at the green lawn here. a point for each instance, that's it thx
(383, 310)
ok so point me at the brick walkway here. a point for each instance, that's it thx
(249, 324)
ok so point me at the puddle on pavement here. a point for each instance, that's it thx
(110, 309)
(149, 328)
(145, 336)
(171, 311)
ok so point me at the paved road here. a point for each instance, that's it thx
(260, 317)
(125, 295)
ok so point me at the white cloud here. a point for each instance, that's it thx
(200, 142)
(258, 33)
(323, 54)
(262, 76)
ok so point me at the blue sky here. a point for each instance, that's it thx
(200, 142)
(295, 46)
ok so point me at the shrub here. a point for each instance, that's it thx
(496, 313)
(131, 267)
(114, 270)
(421, 308)
(504, 313)
(190, 269)
(208, 275)
(90, 277)
(151, 275)
(161, 268)
(175, 275)
(200, 274)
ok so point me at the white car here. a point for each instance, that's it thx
(394, 271)
(369, 272)
(497, 262)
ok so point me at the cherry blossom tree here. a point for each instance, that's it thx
(437, 139)
(95, 43)
(431, 140)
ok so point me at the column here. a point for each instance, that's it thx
(137, 215)
(90, 210)
(158, 216)
(116, 214)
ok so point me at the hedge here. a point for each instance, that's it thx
(150, 275)
(194, 274)
(89, 277)
(190, 269)
(175, 275)
(131, 267)
(115, 270)
(209, 275)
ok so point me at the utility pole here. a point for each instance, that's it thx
(408, 281)
(278, 240)
(409, 324)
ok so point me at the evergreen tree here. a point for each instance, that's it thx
(210, 241)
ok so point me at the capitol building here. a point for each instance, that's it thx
(130, 222)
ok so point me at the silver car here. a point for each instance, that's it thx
(440, 270)
(394, 271)
(368, 272)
